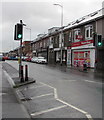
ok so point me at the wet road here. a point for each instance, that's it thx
(75, 90)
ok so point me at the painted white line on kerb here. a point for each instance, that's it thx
(11, 82)
(42, 95)
(48, 110)
(92, 81)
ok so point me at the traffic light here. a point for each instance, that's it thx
(99, 40)
(19, 31)
(15, 33)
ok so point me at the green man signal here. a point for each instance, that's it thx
(19, 36)
(18, 32)
(99, 39)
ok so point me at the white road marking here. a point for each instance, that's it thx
(92, 81)
(89, 117)
(48, 110)
(55, 90)
(55, 93)
(71, 106)
(2, 94)
(42, 95)
(67, 104)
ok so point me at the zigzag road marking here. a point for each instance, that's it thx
(67, 104)
(48, 110)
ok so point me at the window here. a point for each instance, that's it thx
(55, 40)
(76, 32)
(88, 32)
(70, 36)
(51, 40)
(40, 44)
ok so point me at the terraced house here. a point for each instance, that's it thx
(74, 44)
(79, 42)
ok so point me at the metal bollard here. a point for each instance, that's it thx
(26, 73)
(21, 76)
(84, 67)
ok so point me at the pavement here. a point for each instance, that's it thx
(41, 100)
(11, 107)
(38, 98)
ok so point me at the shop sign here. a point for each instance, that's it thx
(76, 44)
(79, 37)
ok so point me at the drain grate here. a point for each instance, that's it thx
(26, 99)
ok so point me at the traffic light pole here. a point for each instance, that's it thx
(20, 62)
(18, 35)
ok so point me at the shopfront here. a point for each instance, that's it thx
(83, 52)
(57, 52)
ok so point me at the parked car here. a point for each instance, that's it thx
(41, 60)
(5, 57)
(24, 58)
(12, 58)
(2, 57)
(28, 59)
(34, 59)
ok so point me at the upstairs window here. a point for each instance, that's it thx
(76, 33)
(51, 40)
(88, 32)
(70, 36)
(40, 44)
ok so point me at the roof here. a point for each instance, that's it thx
(90, 17)
(86, 18)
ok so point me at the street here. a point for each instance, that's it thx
(61, 93)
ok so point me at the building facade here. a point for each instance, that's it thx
(74, 44)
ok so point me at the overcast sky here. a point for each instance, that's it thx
(39, 16)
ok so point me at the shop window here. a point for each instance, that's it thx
(88, 32)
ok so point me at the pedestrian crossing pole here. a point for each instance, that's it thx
(20, 61)
(18, 35)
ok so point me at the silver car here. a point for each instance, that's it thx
(34, 59)
(41, 60)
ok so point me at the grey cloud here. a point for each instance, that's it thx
(40, 16)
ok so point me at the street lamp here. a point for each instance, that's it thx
(61, 29)
(61, 13)
(30, 32)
